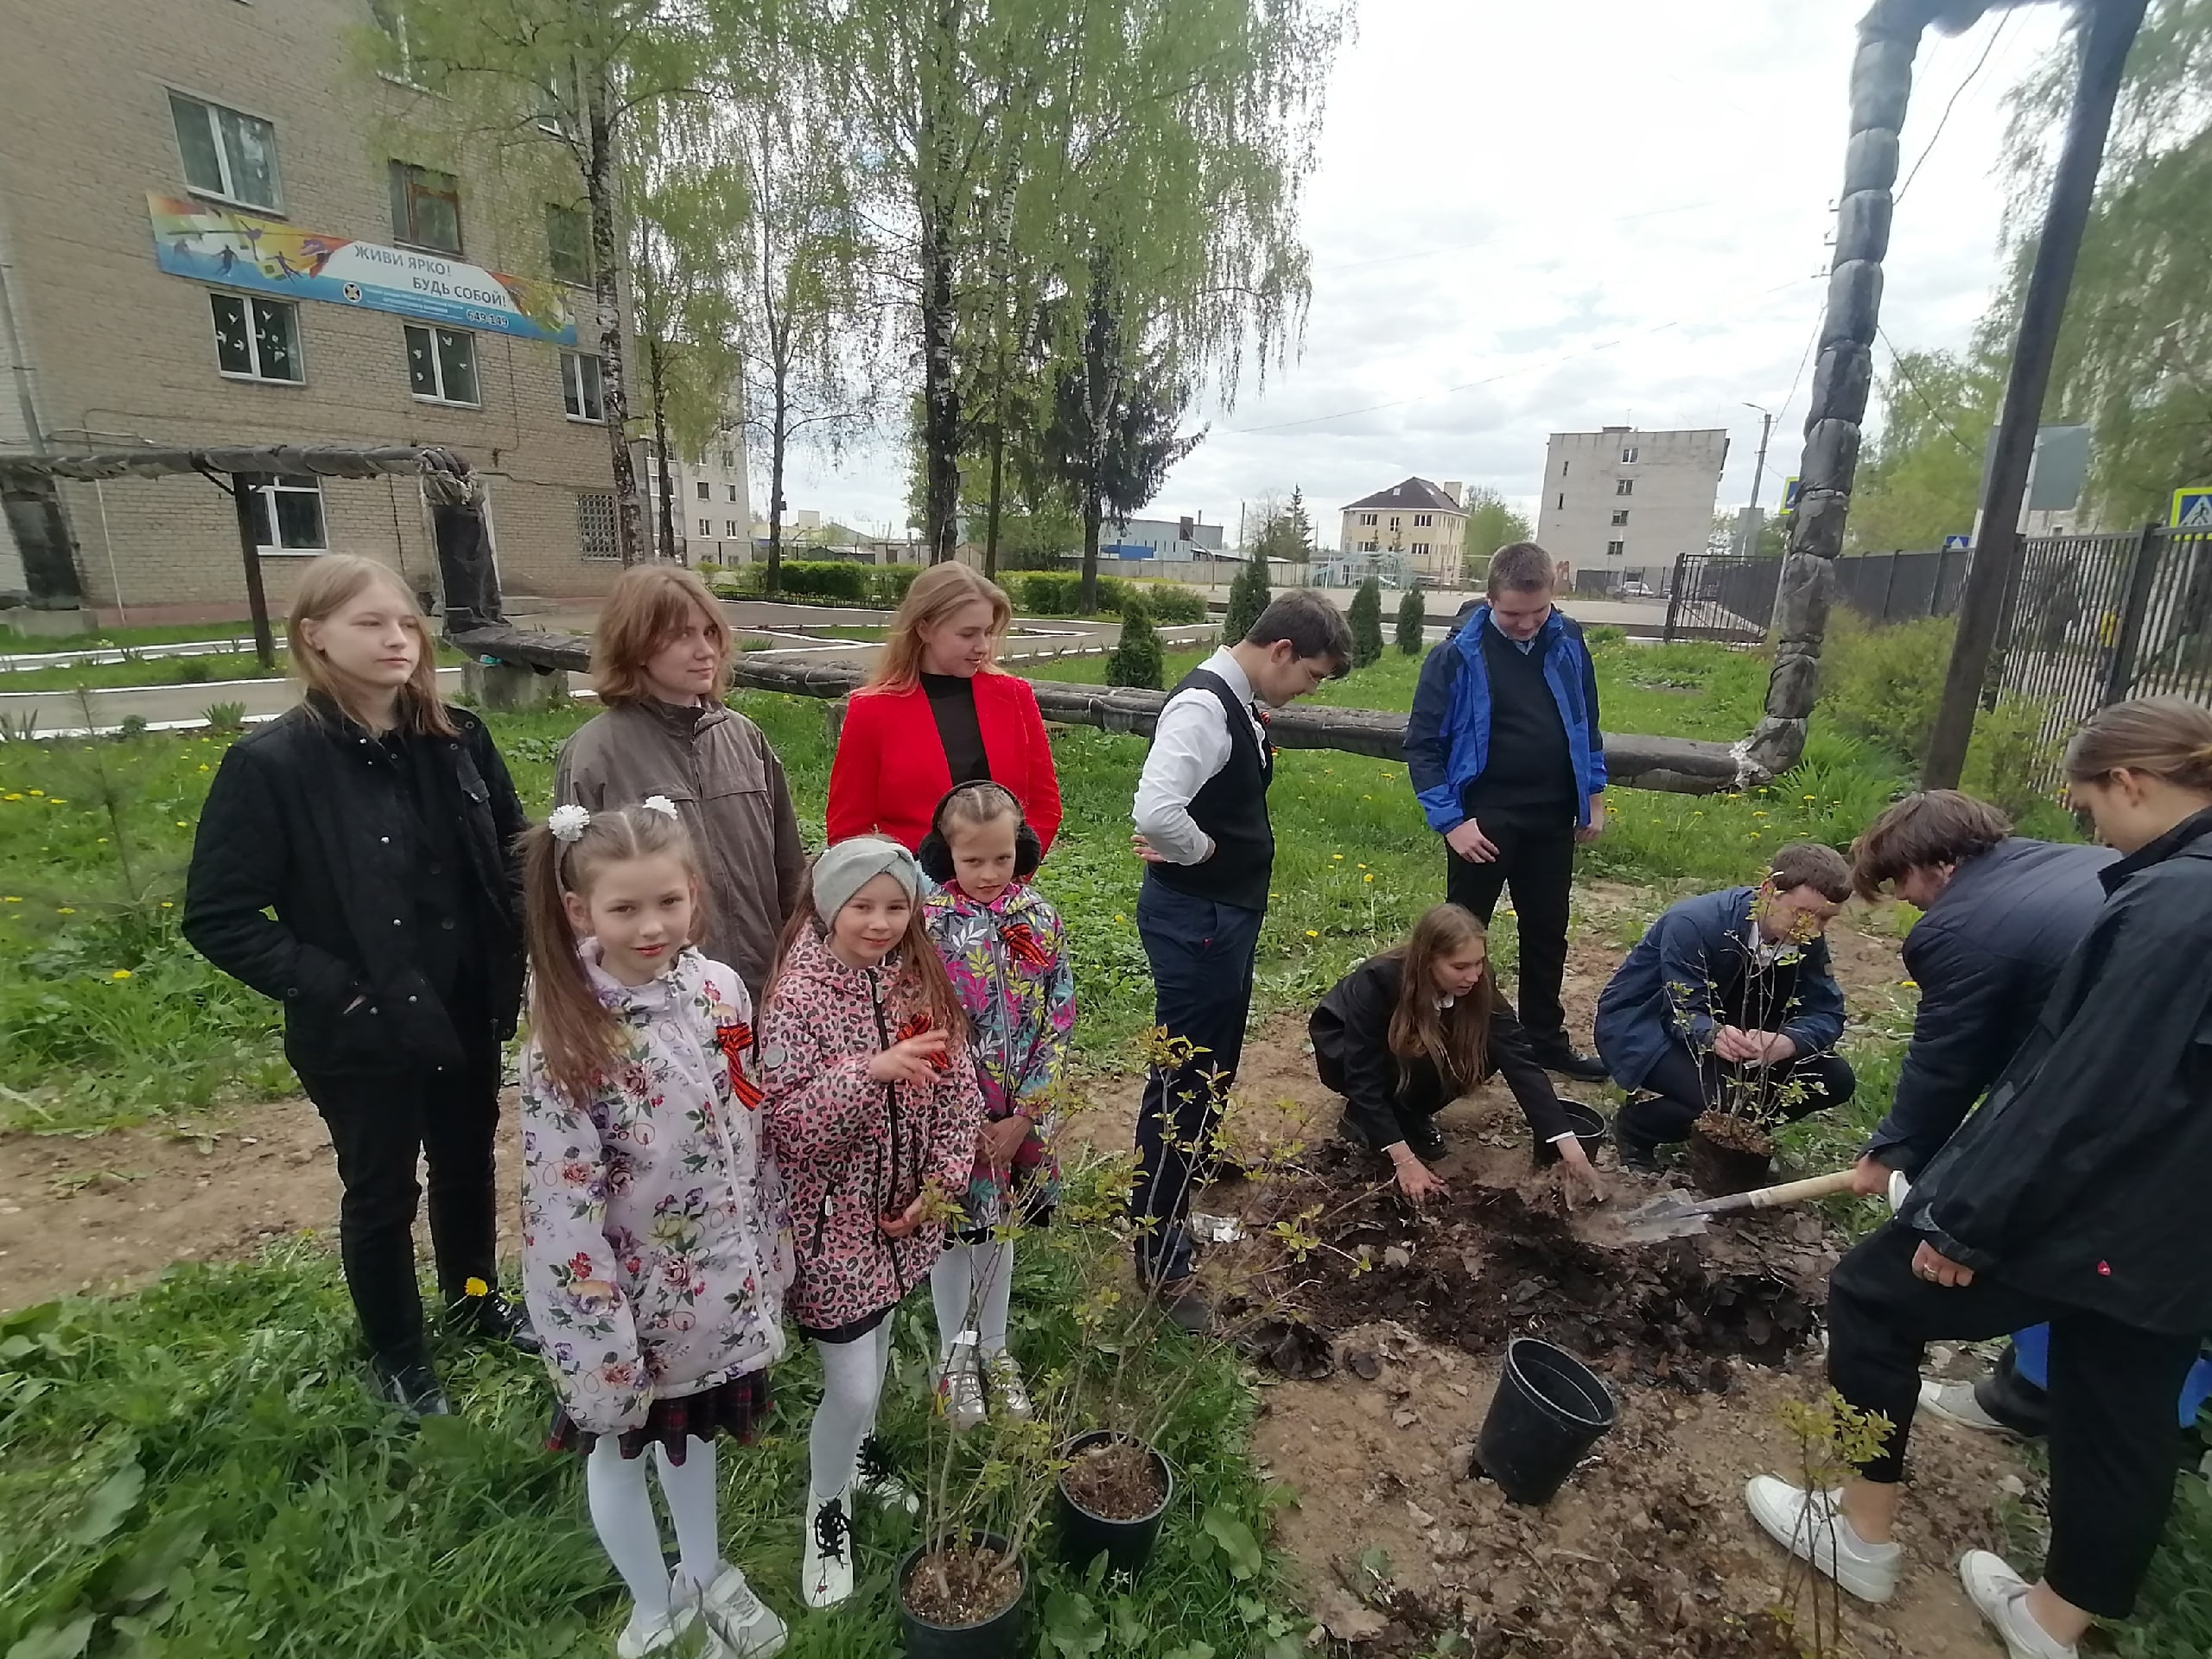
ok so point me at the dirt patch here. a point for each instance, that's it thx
(102, 1212)
(1117, 1480)
(1487, 1265)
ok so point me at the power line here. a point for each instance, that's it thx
(1995, 34)
(1896, 362)
(1503, 374)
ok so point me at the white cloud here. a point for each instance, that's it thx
(1531, 218)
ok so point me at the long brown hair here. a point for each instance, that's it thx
(577, 1034)
(333, 583)
(1454, 1039)
(936, 594)
(921, 985)
(647, 607)
(2167, 737)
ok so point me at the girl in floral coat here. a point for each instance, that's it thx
(875, 1126)
(1003, 946)
(656, 1244)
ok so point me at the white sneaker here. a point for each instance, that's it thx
(1811, 1527)
(1955, 1402)
(739, 1620)
(1003, 1373)
(960, 1398)
(826, 1572)
(644, 1637)
(2002, 1596)
(874, 1478)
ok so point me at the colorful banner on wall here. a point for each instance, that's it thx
(215, 245)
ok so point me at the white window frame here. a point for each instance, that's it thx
(1624, 487)
(438, 365)
(574, 404)
(255, 376)
(1421, 521)
(705, 530)
(1366, 518)
(729, 527)
(1620, 517)
(732, 493)
(390, 19)
(552, 209)
(1628, 455)
(1420, 549)
(265, 506)
(210, 110)
(1615, 550)
(706, 489)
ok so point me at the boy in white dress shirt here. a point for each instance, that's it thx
(1201, 828)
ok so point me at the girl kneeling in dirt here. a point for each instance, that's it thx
(1408, 1031)
(2076, 1195)
(874, 1125)
(655, 1245)
(1003, 946)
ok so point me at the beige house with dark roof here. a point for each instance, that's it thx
(1425, 522)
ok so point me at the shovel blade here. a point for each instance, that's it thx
(1681, 1224)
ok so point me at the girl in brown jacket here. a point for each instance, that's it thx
(660, 662)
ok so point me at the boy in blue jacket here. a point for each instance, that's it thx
(1730, 989)
(1505, 754)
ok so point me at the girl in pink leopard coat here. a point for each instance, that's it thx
(655, 1245)
(875, 1126)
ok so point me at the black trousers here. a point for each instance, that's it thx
(2111, 1403)
(1681, 1083)
(1535, 858)
(1201, 956)
(380, 1123)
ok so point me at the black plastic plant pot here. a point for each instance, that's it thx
(1548, 1411)
(1127, 1544)
(1589, 1125)
(1003, 1635)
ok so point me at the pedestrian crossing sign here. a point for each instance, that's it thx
(2192, 508)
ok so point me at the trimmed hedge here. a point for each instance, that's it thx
(1056, 592)
(818, 581)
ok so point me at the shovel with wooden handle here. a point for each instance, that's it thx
(1672, 1215)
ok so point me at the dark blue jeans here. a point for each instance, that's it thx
(1202, 954)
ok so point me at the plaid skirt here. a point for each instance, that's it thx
(733, 1408)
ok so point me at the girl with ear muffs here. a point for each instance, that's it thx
(1002, 945)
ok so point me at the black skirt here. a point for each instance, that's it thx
(733, 1408)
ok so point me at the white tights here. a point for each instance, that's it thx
(970, 1287)
(852, 1388)
(622, 1513)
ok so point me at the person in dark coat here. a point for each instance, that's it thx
(1408, 1031)
(1505, 754)
(1727, 1004)
(2075, 1195)
(354, 861)
(2002, 913)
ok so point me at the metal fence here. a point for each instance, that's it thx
(1726, 597)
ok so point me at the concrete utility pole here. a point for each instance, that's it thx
(1749, 541)
(2107, 28)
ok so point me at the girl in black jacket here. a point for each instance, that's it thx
(376, 826)
(2076, 1195)
(1408, 1031)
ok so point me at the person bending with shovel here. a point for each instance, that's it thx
(2076, 1196)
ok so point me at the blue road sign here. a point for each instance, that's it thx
(1957, 543)
(2192, 508)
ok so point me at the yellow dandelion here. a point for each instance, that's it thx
(474, 1286)
(166, 904)
(38, 792)
(1369, 879)
(11, 797)
(55, 800)
(203, 765)
(1119, 917)
(65, 910)
(181, 824)
(120, 973)
(1311, 934)
(11, 899)
(1909, 984)
(1339, 857)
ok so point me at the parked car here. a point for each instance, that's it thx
(1639, 590)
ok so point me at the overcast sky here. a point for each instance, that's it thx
(1530, 218)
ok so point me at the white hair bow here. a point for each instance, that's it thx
(568, 823)
(659, 804)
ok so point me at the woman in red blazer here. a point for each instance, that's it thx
(935, 713)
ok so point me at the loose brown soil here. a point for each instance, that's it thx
(1728, 1155)
(962, 1585)
(1487, 1265)
(1116, 1480)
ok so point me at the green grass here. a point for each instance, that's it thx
(196, 1471)
(152, 670)
(160, 633)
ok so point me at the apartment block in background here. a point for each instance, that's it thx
(212, 232)
(1424, 523)
(1626, 502)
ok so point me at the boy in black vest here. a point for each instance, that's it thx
(1202, 828)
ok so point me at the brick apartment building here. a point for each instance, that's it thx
(1625, 502)
(211, 231)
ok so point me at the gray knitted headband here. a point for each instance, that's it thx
(844, 869)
